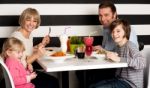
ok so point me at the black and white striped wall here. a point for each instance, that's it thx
(81, 16)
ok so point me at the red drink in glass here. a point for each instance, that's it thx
(88, 41)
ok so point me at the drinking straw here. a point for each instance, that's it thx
(66, 29)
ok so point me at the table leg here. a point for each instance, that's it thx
(84, 78)
(65, 79)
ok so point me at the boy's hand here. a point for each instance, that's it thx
(113, 56)
(98, 47)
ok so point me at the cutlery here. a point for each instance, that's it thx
(38, 71)
(49, 31)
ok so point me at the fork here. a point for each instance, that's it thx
(49, 31)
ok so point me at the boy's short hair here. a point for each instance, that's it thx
(27, 14)
(125, 25)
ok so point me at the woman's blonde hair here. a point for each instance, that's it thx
(28, 14)
(12, 44)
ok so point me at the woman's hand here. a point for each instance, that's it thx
(39, 51)
(113, 56)
(46, 40)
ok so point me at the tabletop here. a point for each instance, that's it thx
(71, 64)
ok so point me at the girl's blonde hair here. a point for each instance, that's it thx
(12, 44)
(28, 14)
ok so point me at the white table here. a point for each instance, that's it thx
(72, 64)
(78, 64)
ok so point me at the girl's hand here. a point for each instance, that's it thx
(46, 40)
(30, 68)
(33, 75)
(113, 56)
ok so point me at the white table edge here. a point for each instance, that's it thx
(82, 67)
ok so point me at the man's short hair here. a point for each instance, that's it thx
(107, 3)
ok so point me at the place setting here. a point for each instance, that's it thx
(58, 54)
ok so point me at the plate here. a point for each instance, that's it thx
(49, 52)
(59, 59)
(98, 56)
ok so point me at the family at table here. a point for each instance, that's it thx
(119, 42)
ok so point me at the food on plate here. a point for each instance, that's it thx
(101, 52)
(59, 53)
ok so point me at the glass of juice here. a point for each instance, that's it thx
(88, 41)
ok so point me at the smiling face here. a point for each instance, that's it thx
(30, 24)
(13, 47)
(15, 54)
(118, 35)
(106, 16)
(29, 19)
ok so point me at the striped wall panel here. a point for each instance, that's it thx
(79, 16)
(71, 1)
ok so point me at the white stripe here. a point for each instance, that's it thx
(141, 29)
(73, 30)
(56, 31)
(133, 9)
(72, 9)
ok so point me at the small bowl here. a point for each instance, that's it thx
(98, 56)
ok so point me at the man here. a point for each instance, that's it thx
(107, 14)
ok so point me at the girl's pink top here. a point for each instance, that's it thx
(18, 72)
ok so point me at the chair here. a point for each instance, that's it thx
(146, 53)
(141, 46)
(7, 76)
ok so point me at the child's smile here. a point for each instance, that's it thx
(118, 35)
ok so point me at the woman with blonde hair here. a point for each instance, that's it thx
(30, 20)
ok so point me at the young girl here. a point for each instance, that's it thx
(30, 20)
(132, 76)
(12, 53)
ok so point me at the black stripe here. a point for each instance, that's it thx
(73, 20)
(56, 43)
(97, 40)
(71, 1)
(145, 39)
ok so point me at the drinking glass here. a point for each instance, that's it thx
(80, 52)
(88, 41)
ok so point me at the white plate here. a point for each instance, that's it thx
(48, 53)
(98, 56)
(59, 59)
